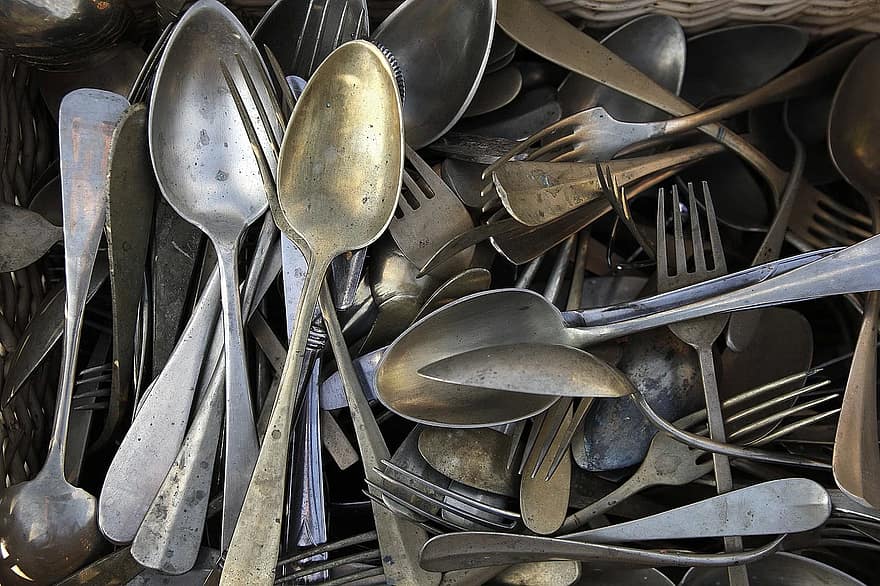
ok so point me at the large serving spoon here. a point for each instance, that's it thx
(339, 175)
(48, 525)
(508, 316)
(852, 141)
(205, 167)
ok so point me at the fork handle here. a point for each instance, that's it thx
(855, 269)
(635, 484)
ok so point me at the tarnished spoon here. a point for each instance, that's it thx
(450, 52)
(855, 150)
(48, 526)
(326, 205)
(204, 163)
(26, 237)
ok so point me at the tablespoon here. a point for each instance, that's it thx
(655, 45)
(507, 316)
(853, 123)
(26, 236)
(782, 506)
(205, 168)
(450, 52)
(48, 525)
(326, 206)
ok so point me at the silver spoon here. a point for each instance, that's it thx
(757, 52)
(451, 52)
(507, 316)
(854, 149)
(48, 525)
(653, 44)
(205, 167)
(780, 569)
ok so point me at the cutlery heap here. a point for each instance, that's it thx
(473, 298)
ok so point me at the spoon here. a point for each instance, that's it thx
(496, 91)
(26, 236)
(854, 120)
(59, 33)
(206, 171)
(473, 457)
(655, 45)
(561, 573)
(780, 569)
(783, 506)
(757, 52)
(509, 316)
(48, 526)
(451, 52)
(359, 192)
(531, 111)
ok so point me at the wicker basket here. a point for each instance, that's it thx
(819, 17)
(26, 148)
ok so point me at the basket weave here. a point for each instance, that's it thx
(26, 148)
(820, 17)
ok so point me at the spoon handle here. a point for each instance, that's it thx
(399, 539)
(86, 121)
(783, 86)
(241, 433)
(253, 549)
(856, 460)
(854, 269)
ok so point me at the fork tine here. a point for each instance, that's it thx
(330, 546)
(556, 145)
(714, 234)
(297, 52)
(281, 81)
(696, 231)
(414, 190)
(444, 505)
(445, 492)
(427, 174)
(785, 430)
(776, 400)
(266, 173)
(531, 439)
(515, 439)
(261, 108)
(662, 262)
(678, 236)
(553, 423)
(579, 414)
(322, 24)
(412, 512)
(524, 145)
(780, 416)
(274, 104)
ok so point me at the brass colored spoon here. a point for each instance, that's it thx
(339, 175)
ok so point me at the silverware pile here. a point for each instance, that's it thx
(473, 297)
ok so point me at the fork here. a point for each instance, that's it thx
(429, 215)
(364, 552)
(492, 518)
(699, 334)
(597, 135)
(687, 463)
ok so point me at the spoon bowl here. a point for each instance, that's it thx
(854, 121)
(205, 167)
(62, 514)
(452, 50)
(456, 329)
(653, 44)
(780, 569)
